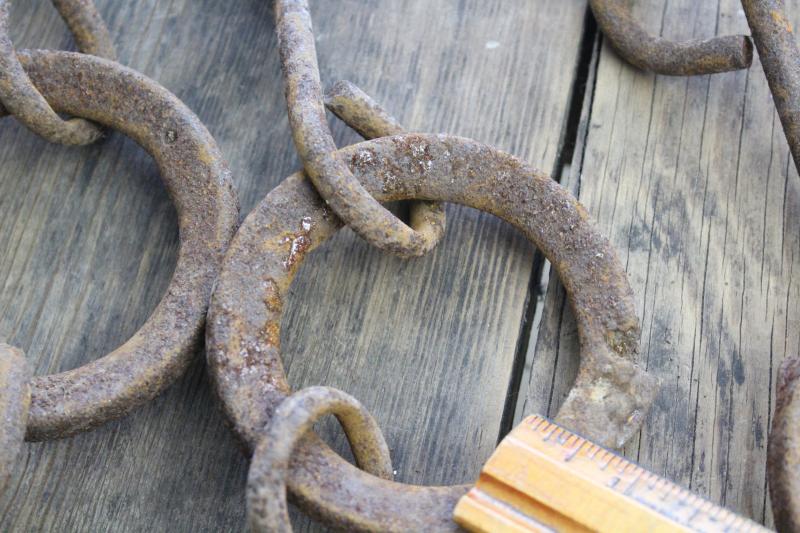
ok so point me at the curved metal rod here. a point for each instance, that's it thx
(312, 137)
(294, 417)
(686, 58)
(18, 95)
(369, 119)
(611, 394)
(199, 183)
(87, 27)
(15, 400)
(783, 449)
(780, 58)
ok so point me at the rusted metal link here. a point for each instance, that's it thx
(779, 55)
(15, 400)
(314, 142)
(369, 119)
(686, 58)
(359, 111)
(783, 449)
(607, 403)
(21, 98)
(87, 27)
(199, 183)
(294, 417)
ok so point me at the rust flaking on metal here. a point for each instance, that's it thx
(199, 183)
(662, 56)
(294, 417)
(370, 120)
(20, 97)
(607, 403)
(314, 142)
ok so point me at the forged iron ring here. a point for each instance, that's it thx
(19, 96)
(662, 56)
(199, 183)
(267, 509)
(316, 148)
(606, 404)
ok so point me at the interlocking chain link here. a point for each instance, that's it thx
(292, 420)
(315, 146)
(370, 120)
(21, 98)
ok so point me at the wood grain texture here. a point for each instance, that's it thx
(693, 182)
(89, 242)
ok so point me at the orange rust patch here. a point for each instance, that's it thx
(779, 18)
(272, 296)
(271, 334)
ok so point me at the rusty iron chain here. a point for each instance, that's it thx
(345, 187)
(244, 324)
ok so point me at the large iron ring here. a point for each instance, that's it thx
(199, 183)
(607, 403)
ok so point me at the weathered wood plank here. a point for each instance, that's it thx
(89, 243)
(693, 182)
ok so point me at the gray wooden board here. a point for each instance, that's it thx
(693, 182)
(89, 243)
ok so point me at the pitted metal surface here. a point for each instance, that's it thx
(314, 142)
(607, 403)
(780, 58)
(20, 97)
(294, 417)
(662, 56)
(370, 120)
(199, 182)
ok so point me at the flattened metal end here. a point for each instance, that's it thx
(608, 404)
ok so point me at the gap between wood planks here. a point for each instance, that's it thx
(572, 139)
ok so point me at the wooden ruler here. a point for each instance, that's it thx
(543, 477)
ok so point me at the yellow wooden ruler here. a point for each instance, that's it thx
(543, 477)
